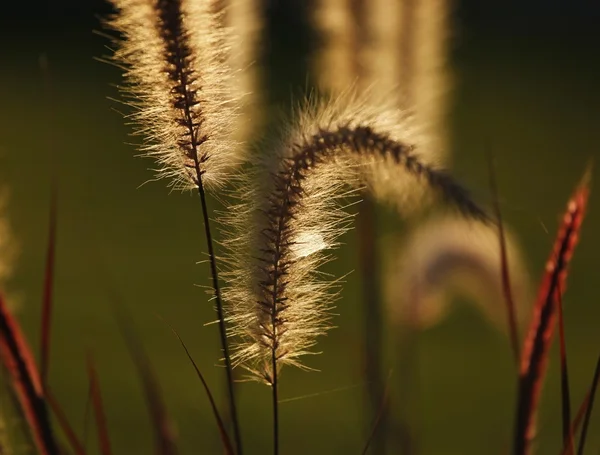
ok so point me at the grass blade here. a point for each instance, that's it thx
(223, 433)
(163, 428)
(87, 417)
(590, 404)
(564, 382)
(506, 285)
(61, 417)
(383, 407)
(98, 407)
(24, 377)
(372, 315)
(537, 343)
(48, 288)
(581, 412)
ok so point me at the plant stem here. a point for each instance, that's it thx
(219, 307)
(588, 411)
(275, 394)
(195, 142)
(372, 328)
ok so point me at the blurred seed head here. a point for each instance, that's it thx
(447, 257)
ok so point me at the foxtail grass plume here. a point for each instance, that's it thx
(450, 256)
(432, 78)
(338, 52)
(179, 81)
(280, 300)
(393, 46)
(246, 18)
(395, 50)
(408, 54)
(8, 250)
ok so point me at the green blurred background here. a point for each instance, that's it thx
(526, 87)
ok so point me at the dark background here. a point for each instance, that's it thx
(526, 86)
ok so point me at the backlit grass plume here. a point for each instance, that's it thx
(451, 255)
(280, 301)
(246, 18)
(397, 47)
(175, 55)
(176, 58)
(336, 62)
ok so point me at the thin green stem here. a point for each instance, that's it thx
(219, 308)
(195, 142)
(193, 132)
(275, 396)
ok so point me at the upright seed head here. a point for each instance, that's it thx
(174, 53)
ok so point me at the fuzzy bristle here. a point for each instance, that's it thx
(179, 84)
(280, 304)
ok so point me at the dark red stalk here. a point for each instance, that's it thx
(505, 275)
(590, 404)
(581, 412)
(161, 422)
(19, 362)
(97, 404)
(87, 416)
(381, 412)
(61, 417)
(535, 352)
(564, 376)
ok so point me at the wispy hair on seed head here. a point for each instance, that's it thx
(178, 81)
(280, 300)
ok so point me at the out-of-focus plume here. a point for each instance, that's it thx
(8, 250)
(432, 79)
(407, 55)
(335, 61)
(399, 48)
(449, 256)
(397, 51)
(280, 303)
(245, 18)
